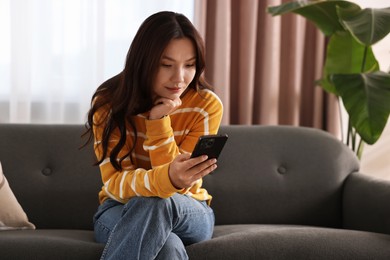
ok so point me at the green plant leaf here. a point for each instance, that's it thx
(344, 56)
(368, 26)
(322, 13)
(366, 97)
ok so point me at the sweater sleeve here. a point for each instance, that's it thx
(131, 181)
(160, 142)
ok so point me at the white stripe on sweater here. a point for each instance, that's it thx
(154, 147)
(107, 160)
(134, 180)
(199, 110)
(122, 184)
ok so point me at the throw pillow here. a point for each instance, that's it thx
(12, 216)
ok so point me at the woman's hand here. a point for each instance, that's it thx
(164, 106)
(184, 171)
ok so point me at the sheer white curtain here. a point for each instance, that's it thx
(54, 53)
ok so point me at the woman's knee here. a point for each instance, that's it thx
(147, 204)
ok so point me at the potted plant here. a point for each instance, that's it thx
(351, 70)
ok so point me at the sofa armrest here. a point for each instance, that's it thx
(366, 203)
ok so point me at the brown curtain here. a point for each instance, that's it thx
(264, 68)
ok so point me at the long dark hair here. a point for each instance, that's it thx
(130, 92)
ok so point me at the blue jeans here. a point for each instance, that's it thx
(152, 228)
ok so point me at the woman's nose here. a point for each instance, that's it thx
(178, 75)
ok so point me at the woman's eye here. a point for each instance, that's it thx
(190, 65)
(166, 65)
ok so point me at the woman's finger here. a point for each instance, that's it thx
(202, 166)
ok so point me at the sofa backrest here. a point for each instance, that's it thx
(52, 179)
(265, 174)
(281, 175)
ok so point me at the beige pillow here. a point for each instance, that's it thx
(12, 216)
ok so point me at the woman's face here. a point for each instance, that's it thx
(176, 69)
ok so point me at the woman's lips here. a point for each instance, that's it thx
(174, 90)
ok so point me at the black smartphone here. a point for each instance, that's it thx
(210, 145)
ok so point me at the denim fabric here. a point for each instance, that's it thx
(152, 228)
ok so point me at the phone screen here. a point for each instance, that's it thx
(210, 145)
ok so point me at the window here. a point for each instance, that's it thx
(53, 59)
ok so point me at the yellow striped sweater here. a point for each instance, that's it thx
(158, 143)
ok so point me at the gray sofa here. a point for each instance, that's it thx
(279, 193)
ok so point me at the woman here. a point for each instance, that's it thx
(145, 122)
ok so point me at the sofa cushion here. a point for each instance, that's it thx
(290, 242)
(12, 215)
(49, 244)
